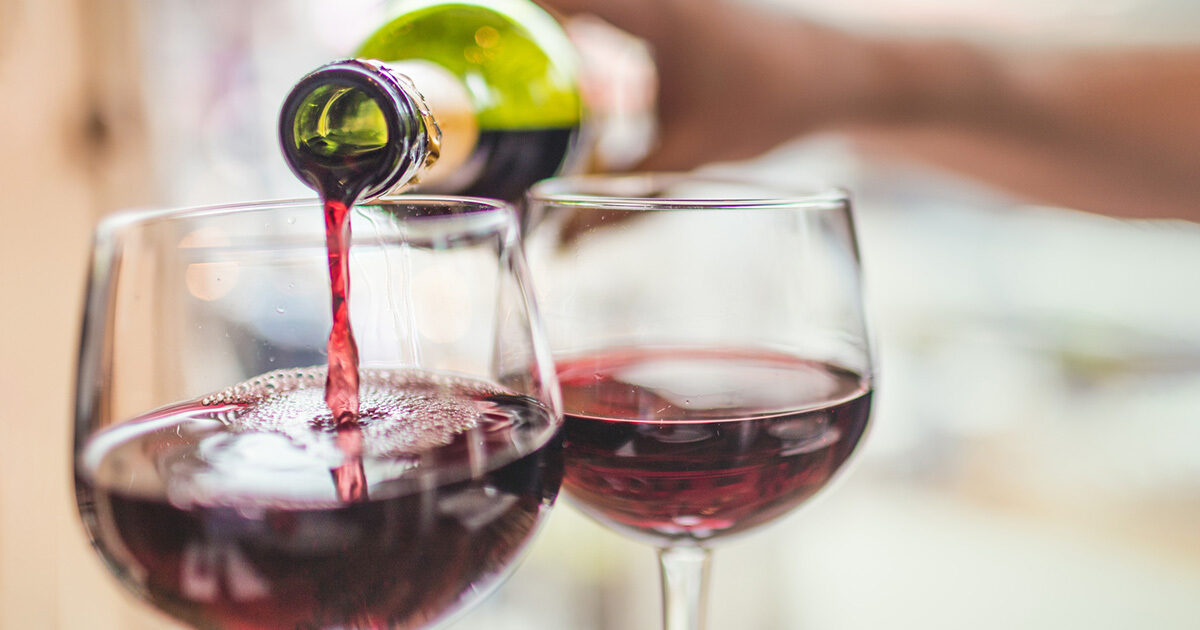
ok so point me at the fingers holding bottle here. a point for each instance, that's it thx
(734, 80)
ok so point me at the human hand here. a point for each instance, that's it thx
(734, 81)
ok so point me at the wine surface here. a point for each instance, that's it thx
(222, 511)
(693, 444)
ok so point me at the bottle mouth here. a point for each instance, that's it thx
(353, 127)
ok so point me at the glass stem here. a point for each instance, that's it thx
(684, 586)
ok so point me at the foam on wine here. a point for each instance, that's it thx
(401, 412)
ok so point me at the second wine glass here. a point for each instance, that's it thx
(713, 354)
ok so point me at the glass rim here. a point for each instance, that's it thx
(566, 191)
(134, 216)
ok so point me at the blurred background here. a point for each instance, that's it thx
(1035, 456)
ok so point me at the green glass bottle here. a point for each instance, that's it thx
(474, 98)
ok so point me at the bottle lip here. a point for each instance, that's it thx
(406, 119)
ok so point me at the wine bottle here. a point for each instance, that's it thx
(463, 97)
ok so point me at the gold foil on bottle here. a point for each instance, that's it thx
(449, 116)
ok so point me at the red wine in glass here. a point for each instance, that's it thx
(687, 444)
(232, 522)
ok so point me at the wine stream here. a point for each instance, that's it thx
(341, 380)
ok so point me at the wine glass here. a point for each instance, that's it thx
(210, 475)
(712, 351)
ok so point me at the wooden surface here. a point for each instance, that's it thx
(71, 151)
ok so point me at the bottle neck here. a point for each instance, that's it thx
(355, 130)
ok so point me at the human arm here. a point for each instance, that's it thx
(1112, 130)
